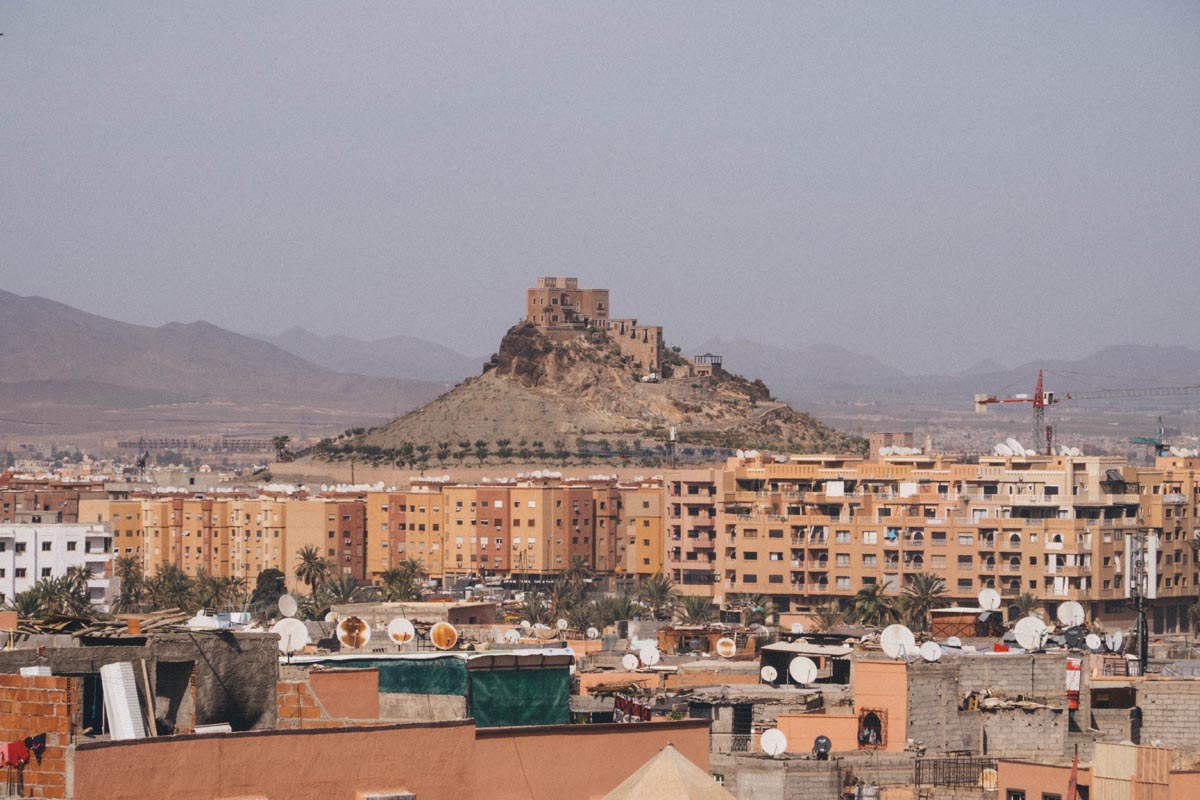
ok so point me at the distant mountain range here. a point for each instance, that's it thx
(65, 367)
(829, 373)
(393, 357)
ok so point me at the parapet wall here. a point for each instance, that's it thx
(30, 706)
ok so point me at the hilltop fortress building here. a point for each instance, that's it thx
(561, 310)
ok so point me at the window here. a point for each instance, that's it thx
(869, 537)
(45, 547)
(71, 546)
(1015, 794)
(842, 537)
(842, 582)
(19, 572)
(869, 560)
(45, 572)
(749, 579)
(750, 555)
(19, 547)
(775, 579)
(842, 559)
(776, 556)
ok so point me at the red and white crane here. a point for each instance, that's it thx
(1042, 399)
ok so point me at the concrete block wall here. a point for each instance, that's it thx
(1170, 713)
(33, 705)
(1018, 733)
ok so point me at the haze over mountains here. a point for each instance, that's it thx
(66, 368)
(393, 357)
(80, 371)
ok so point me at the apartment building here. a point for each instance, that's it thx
(815, 529)
(641, 527)
(30, 553)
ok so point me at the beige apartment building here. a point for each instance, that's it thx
(556, 302)
(816, 529)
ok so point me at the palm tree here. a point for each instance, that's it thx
(170, 588)
(695, 610)
(658, 592)
(579, 570)
(611, 609)
(582, 617)
(828, 616)
(1027, 604)
(312, 569)
(760, 607)
(343, 589)
(873, 607)
(923, 593)
(403, 582)
(535, 608)
(27, 604)
(131, 596)
(565, 595)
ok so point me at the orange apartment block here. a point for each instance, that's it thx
(817, 529)
(641, 527)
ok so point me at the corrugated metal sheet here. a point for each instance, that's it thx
(1110, 789)
(1117, 761)
(1153, 765)
(1151, 791)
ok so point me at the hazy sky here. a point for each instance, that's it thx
(933, 183)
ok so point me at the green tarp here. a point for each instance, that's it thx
(520, 697)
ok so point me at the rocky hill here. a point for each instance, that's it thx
(539, 390)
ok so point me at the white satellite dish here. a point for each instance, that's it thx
(1175, 451)
(931, 651)
(1003, 450)
(1017, 448)
(769, 674)
(592, 633)
(797, 628)
(885, 451)
(741, 453)
(726, 647)
(1030, 633)
(288, 605)
(773, 742)
(629, 661)
(1093, 642)
(954, 641)
(649, 655)
(802, 670)
(1114, 640)
(1070, 614)
(293, 636)
(353, 632)
(1076, 452)
(443, 635)
(526, 624)
(512, 636)
(897, 641)
(562, 624)
(401, 631)
(989, 599)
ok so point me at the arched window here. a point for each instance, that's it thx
(872, 729)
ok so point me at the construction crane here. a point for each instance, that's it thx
(1159, 443)
(1042, 399)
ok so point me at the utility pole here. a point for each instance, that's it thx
(1138, 576)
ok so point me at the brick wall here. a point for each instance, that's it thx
(1018, 733)
(33, 705)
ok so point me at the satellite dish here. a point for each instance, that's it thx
(726, 647)
(1017, 448)
(1114, 640)
(769, 674)
(885, 451)
(401, 631)
(444, 636)
(989, 599)
(954, 641)
(288, 605)
(526, 624)
(630, 662)
(592, 633)
(352, 632)
(797, 628)
(741, 453)
(822, 745)
(649, 655)
(512, 636)
(897, 641)
(931, 651)
(802, 670)
(1076, 452)
(1175, 451)
(1093, 642)
(1070, 614)
(1003, 450)
(293, 636)
(562, 624)
(773, 742)
(1030, 633)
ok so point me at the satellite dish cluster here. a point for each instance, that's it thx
(1011, 447)
(900, 451)
(1183, 452)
